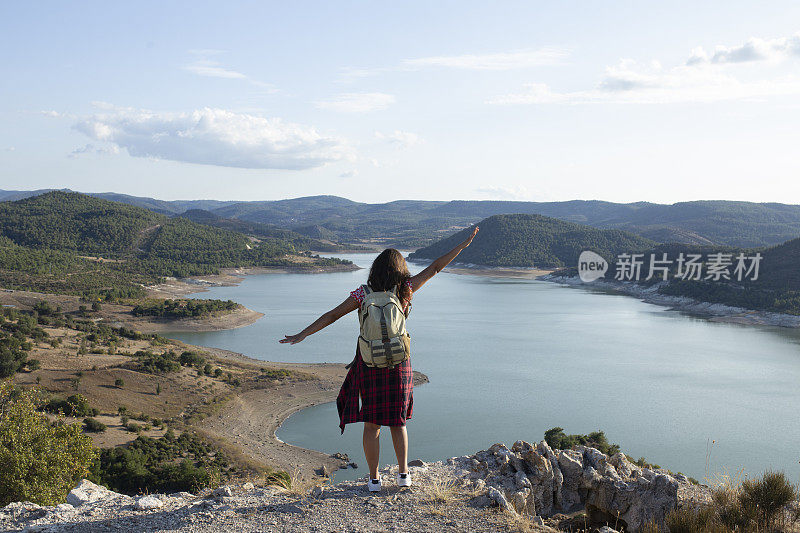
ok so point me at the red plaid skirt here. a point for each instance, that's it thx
(387, 397)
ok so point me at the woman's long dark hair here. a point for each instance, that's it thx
(389, 270)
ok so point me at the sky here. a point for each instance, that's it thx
(375, 101)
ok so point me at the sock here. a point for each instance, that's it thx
(374, 480)
(404, 475)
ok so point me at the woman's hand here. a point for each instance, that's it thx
(292, 339)
(468, 241)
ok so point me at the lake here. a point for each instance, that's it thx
(510, 358)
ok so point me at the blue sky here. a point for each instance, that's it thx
(620, 101)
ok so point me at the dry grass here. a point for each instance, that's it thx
(295, 485)
(520, 523)
(441, 491)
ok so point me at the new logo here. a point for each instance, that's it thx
(591, 266)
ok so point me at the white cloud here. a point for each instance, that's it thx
(214, 137)
(10, 149)
(515, 59)
(405, 139)
(755, 49)
(204, 66)
(91, 149)
(493, 192)
(357, 102)
(499, 61)
(721, 76)
(212, 69)
(349, 174)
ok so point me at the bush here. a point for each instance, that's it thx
(192, 359)
(702, 519)
(168, 464)
(755, 505)
(40, 461)
(764, 498)
(119, 383)
(33, 365)
(558, 440)
(93, 426)
(153, 363)
(75, 405)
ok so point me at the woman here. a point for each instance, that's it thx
(386, 393)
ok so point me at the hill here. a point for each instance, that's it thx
(533, 240)
(67, 242)
(777, 288)
(300, 240)
(414, 223)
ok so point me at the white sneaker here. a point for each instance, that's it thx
(404, 481)
(374, 485)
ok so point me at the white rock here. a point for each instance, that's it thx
(88, 492)
(248, 486)
(223, 491)
(148, 502)
(498, 498)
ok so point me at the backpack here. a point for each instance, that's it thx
(383, 340)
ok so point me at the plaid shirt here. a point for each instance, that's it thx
(386, 394)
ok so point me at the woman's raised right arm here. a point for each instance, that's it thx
(437, 266)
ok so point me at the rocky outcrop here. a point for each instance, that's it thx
(537, 480)
(530, 479)
(88, 492)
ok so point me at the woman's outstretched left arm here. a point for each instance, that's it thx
(325, 320)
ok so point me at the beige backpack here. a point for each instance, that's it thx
(384, 341)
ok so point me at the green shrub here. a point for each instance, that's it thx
(702, 519)
(33, 365)
(119, 383)
(40, 461)
(191, 358)
(75, 405)
(168, 464)
(93, 426)
(157, 363)
(765, 497)
(558, 440)
(279, 373)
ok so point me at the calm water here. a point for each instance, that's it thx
(508, 359)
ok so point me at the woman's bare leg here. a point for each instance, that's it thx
(400, 441)
(372, 446)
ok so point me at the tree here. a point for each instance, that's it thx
(40, 461)
(119, 383)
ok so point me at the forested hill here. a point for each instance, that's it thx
(777, 287)
(78, 223)
(68, 242)
(262, 231)
(534, 241)
(412, 223)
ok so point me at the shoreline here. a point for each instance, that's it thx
(714, 312)
(230, 277)
(471, 269)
